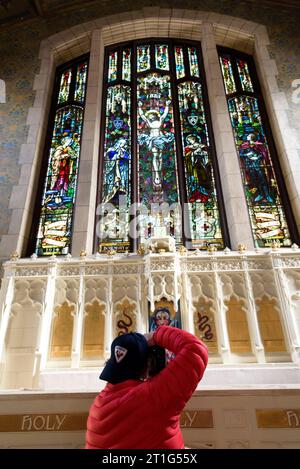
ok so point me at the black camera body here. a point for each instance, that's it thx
(156, 360)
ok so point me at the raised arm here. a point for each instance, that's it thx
(165, 113)
(174, 386)
(141, 114)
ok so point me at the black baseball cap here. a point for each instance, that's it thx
(129, 353)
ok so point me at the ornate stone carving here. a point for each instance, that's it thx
(32, 271)
(14, 256)
(212, 249)
(199, 266)
(126, 269)
(156, 243)
(289, 262)
(96, 269)
(68, 271)
(162, 265)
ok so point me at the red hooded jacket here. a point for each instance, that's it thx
(146, 414)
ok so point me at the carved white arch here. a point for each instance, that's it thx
(93, 36)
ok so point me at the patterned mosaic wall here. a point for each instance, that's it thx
(19, 47)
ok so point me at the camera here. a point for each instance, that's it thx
(156, 360)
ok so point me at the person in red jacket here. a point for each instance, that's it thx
(133, 412)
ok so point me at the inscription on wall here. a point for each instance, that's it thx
(278, 418)
(77, 421)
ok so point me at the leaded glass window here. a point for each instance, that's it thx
(157, 148)
(61, 160)
(266, 197)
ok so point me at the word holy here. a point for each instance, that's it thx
(42, 422)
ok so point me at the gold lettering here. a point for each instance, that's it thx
(26, 420)
(60, 422)
(188, 418)
(292, 415)
(35, 424)
(191, 418)
(48, 419)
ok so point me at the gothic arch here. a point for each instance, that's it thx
(211, 29)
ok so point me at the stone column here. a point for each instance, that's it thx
(84, 222)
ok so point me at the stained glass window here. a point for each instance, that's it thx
(80, 82)
(117, 168)
(112, 67)
(179, 61)
(263, 188)
(64, 88)
(193, 61)
(157, 148)
(161, 56)
(143, 58)
(227, 74)
(126, 69)
(244, 75)
(199, 173)
(59, 192)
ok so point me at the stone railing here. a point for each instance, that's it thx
(64, 312)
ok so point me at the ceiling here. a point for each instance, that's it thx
(20, 11)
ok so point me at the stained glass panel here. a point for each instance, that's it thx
(228, 77)
(112, 66)
(54, 234)
(162, 57)
(199, 172)
(64, 87)
(156, 146)
(117, 169)
(179, 61)
(262, 193)
(126, 69)
(143, 58)
(244, 75)
(80, 82)
(193, 61)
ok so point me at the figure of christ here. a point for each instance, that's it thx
(156, 140)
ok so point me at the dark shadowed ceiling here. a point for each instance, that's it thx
(15, 11)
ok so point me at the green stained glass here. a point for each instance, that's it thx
(64, 88)
(117, 169)
(262, 193)
(80, 84)
(156, 147)
(126, 68)
(179, 61)
(112, 66)
(227, 72)
(199, 173)
(244, 75)
(59, 192)
(193, 61)
(161, 56)
(143, 58)
(54, 233)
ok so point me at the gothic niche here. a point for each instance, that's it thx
(204, 323)
(125, 318)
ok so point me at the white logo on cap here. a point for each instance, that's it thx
(120, 353)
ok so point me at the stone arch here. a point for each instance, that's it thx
(92, 36)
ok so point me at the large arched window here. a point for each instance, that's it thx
(157, 148)
(269, 209)
(54, 212)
